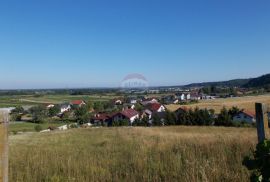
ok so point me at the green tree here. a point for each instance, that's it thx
(82, 115)
(53, 111)
(224, 118)
(16, 114)
(18, 110)
(233, 111)
(138, 107)
(156, 120)
(39, 114)
(98, 106)
(141, 122)
(170, 118)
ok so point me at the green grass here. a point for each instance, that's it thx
(13, 101)
(30, 127)
(132, 154)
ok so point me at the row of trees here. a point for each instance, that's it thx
(199, 117)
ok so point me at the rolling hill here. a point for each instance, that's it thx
(258, 82)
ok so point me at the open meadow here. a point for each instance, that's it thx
(12, 101)
(132, 154)
(247, 102)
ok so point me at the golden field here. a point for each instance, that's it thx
(247, 103)
(132, 154)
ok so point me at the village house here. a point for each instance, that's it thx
(245, 116)
(195, 96)
(101, 119)
(65, 108)
(129, 106)
(118, 101)
(183, 96)
(129, 114)
(156, 107)
(48, 106)
(171, 99)
(78, 103)
(146, 113)
(131, 100)
(149, 101)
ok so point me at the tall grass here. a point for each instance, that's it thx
(132, 154)
(3, 147)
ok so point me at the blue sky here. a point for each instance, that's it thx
(95, 43)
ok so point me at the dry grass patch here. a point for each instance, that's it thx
(132, 154)
(247, 103)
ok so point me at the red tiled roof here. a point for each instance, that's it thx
(129, 113)
(154, 106)
(77, 102)
(101, 117)
(249, 113)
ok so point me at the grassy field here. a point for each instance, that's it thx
(247, 103)
(12, 101)
(132, 154)
(30, 127)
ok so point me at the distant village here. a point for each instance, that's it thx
(138, 110)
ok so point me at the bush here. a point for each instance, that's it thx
(259, 163)
(73, 125)
(124, 122)
(38, 128)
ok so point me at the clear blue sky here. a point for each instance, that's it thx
(95, 43)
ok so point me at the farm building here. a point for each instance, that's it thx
(245, 116)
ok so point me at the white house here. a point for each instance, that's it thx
(156, 107)
(195, 96)
(188, 96)
(245, 116)
(65, 108)
(133, 101)
(147, 113)
(48, 106)
(181, 97)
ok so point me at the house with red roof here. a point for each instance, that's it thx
(101, 119)
(129, 114)
(149, 101)
(78, 103)
(245, 116)
(156, 107)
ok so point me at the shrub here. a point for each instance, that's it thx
(38, 128)
(259, 163)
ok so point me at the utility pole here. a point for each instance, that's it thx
(4, 121)
(263, 130)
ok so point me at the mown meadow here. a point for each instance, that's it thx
(132, 154)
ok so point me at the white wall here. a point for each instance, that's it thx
(243, 117)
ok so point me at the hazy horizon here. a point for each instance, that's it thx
(85, 44)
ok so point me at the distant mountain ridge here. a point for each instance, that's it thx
(261, 81)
